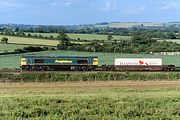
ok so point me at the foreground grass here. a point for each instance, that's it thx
(106, 100)
(13, 61)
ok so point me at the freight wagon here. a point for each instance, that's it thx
(139, 64)
(58, 63)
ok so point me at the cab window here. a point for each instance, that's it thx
(39, 61)
(82, 61)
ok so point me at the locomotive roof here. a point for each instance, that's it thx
(59, 56)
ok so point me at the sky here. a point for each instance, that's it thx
(74, 12)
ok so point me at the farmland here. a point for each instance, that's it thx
(91, 100)
(129, 24)
(10, 47)
(13, 61)
(170, 40)
(85, 36)
(30, 41)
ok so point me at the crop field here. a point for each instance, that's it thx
(31, 41)
(86, 36)
(129, 24)
(13, 61)
(120, 100)
(170, 40)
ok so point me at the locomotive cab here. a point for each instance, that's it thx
(95, 61)
(23, 61)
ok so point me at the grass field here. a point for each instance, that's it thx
(129, 24)
(113, 100)
(30, 41)
(86, 36)
(13, 61)
(171, 40)
(100, 37)
(10, 47)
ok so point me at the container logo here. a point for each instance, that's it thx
(142, 62)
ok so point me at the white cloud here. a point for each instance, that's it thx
(134, 10)
(5, 4)
(61, 2)
(109, 6)
(170, 5)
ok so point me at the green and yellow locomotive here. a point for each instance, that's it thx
(39, 63)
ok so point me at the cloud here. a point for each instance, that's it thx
(109, 6)
(61, 2)
(5, 4)
(134, 10)
(170, 5)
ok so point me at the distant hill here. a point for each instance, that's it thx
(129, 24)
(97, 25)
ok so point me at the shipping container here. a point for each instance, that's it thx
(138, 61)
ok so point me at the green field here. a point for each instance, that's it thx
(90, 100)
(30, 41)
(13, 61)
(171, 40)
(10, 47)
(85, 36)
(129, 24)
(99, 37)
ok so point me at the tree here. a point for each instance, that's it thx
(8, 31)
(20, 33)
(141, 38)
(109, 37)
(171, 35)
(64, 39)
(4, 40)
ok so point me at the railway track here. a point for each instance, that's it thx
(10, 71)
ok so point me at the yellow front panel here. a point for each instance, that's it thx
(23, 61)
(95, 62)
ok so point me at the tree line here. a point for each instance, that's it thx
(139, 43)
(169, 32)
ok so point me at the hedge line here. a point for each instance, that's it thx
(99, 76)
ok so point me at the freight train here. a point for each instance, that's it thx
(91, 63)
(59, 63)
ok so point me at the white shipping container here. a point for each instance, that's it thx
(139, 61)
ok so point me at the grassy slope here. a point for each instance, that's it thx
(99, 100)
(13, 61)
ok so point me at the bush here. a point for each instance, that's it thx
(32, 49)
(99, 76)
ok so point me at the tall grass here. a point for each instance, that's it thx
(106, 108)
